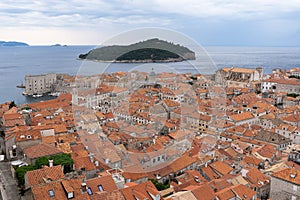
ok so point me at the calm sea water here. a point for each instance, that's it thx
(16, 62)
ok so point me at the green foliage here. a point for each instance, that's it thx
(59, 159)
(21, 171)
(153, 49)
(12, 104)
(41, 162)
(294, 95)
(148, 54)
(62, 159)
(160, 186)
(26, 108)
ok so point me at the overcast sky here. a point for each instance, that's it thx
(210, 22)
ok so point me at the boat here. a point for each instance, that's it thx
(55, 94)
(37, 95)
(21, 85)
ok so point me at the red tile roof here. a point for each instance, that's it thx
(41, 150)
(44, 175)
(289, 175)
(106, 182)
(140, 191)
(221, 167)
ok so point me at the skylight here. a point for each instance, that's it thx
(100, 188)
(51, 193)
(89, 191)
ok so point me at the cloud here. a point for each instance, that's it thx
(78, 12)
(118, 15)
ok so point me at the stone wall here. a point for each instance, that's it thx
(281, 190)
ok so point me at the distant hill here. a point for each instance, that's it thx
(153, 50)
(12, 44)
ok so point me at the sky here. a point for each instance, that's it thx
(209, 22)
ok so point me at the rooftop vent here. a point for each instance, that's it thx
(293, 175)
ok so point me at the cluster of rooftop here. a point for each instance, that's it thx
(137, 135)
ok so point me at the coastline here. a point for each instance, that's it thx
(137, 61)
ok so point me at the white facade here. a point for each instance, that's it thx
(268, 86)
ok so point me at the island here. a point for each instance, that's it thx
(58, 45)
(152, 50)
(12, 44)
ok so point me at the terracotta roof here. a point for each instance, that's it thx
(45, 174)
(140, 191)
(221, 167)
(182, 195)
(83, 162)
(244, 192)
(134, 176)
(41, 150)
(182, 163)
(242, 116)
(257, 178)
(225, 194)
(59, 189)
(48, 139)
(43, 191)
(204, 193)
(242, 70)
(210, 173)
(114, 195)
(106, 182)
(219, 184)
(289, 175)
(252, 160)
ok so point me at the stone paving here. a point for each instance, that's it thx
(8, 185)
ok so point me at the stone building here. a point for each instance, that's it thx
(239, 77)
(291, 85)
(39, 84)
(285, 184)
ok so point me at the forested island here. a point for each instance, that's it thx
(153, 50)
(12, 44)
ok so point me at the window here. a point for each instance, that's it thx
(14, 152)
(295, 188)
(158, 159)
(100, 188)
(51, 193)
(70, 195)
(89, 191)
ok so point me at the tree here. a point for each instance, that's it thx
(160, 186)
(294, 95)
(59, 159)
(21, 171)
(43, 161)
(12, 104)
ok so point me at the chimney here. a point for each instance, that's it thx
(50, 163)
(91, 158)
(83, 187)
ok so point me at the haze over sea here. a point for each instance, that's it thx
(16, 62)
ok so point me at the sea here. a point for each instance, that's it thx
(16, 62)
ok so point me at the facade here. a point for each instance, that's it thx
(295, 72)
(285, 184)
(284, 85)
(238, 77)
(39, 84)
